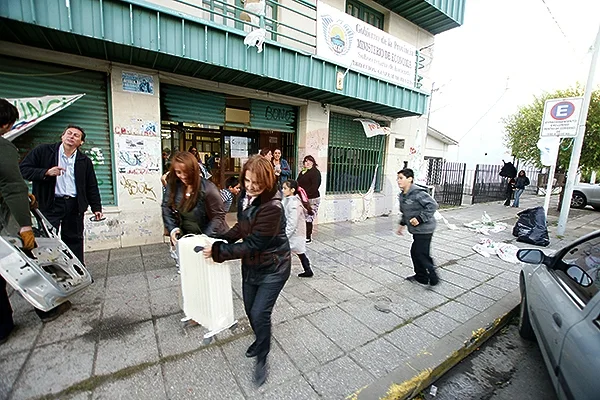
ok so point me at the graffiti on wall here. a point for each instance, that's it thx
(138, 127)
(95, 154)
(137, 189)
(138, 155)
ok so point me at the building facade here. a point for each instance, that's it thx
(227, 78)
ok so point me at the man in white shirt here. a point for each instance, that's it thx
(65, 185)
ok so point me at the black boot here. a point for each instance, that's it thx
(306, 265)
(252, 352)
(260, 371)
(309, 229)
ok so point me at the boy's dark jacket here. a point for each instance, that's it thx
(417, 203)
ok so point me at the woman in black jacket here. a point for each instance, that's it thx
(191, 204)
(264, 250)
(309, 179)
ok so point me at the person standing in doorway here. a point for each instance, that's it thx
(65, 185)
(520, 184)
(417, 208)
(266, 153)
(282, 168)
(309, 179)
(264, 250)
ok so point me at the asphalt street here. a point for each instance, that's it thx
(506, 367)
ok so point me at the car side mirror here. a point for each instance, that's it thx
(579, 275)
(531, 256)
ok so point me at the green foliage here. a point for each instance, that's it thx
(523, 132)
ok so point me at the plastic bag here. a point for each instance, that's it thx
(531, 227)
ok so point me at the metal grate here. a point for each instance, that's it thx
(488, 185)
(352, 157)
(448, 178)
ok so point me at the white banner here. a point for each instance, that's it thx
(33, 110)
(373, 128)
(350, 42)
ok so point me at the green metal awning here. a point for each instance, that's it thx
(146, 35)
(435, 16)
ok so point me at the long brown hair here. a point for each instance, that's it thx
(262, 168)
(190, 165)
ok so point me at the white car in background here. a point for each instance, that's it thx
(585, 194)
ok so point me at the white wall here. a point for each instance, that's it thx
(435, 148)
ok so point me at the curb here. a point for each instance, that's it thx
(430, 364)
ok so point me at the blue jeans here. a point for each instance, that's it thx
(518, 194)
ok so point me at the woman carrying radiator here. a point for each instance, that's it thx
(264, 250)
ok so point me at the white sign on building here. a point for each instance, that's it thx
(561, 117)
(348, 41)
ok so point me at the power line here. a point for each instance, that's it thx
(559, 27)
(486, 113)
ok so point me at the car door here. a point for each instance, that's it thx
(579, 363)
(554, 301)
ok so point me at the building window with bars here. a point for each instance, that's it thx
(365, 13)
(353, 157)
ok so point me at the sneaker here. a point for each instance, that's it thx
(308, 240)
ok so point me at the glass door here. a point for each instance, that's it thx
(237, 148)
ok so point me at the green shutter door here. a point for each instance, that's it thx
(25, 78)
(182, 104)
(272, 116)
(352, 156)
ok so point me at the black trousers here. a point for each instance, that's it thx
(421, 258)
(6, 319)
(259, 301)
(65, 214)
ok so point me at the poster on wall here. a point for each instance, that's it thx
(137, 83)
(361, 47)
(239, 147)
(138, 155)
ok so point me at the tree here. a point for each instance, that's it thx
(523, 132)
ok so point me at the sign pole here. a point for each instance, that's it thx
(549, 188)
(578, 143)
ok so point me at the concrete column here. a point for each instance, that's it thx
(593, 178)
(137, 154)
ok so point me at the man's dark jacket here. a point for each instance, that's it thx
(265, 248)
(13, 189)
(45, 156)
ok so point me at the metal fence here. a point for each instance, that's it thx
(448, 179)
(488, 185)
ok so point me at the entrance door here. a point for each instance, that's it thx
(237, 148)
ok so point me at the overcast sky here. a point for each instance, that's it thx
(505, 53)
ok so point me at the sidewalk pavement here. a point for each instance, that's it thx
(356, 329)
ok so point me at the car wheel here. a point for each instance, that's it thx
(525, 328)
(578, 200)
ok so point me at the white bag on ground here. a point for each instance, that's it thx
(205, 286)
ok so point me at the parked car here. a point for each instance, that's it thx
(560, 306)
(586, 194)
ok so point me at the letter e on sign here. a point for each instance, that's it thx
(562, 110)
(561, 117)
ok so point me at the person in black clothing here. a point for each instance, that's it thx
(510, 188)
(309, 179)
(520, 184)
(264, 250)
(65, 185)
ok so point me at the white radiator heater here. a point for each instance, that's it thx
(205, 287)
